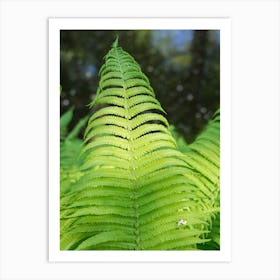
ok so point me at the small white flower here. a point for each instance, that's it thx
(181, 222)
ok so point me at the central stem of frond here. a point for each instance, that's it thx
(131, 158)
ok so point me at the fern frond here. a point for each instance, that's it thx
(70, 149)
(203, 155)
(64, 122)
(136, 187)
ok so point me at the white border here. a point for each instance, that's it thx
(55, 25)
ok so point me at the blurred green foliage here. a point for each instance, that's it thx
(183, 67)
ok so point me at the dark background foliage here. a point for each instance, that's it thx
(183, 67)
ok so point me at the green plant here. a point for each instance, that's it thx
(136, 190)
(70, 149)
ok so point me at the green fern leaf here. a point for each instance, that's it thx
(70, 149)
(137, 192)
(203, 155)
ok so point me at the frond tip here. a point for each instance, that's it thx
(116, 42)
